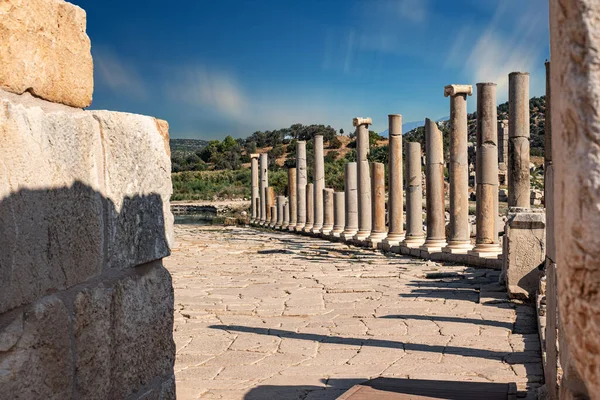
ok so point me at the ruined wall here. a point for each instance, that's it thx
(86, 306)
(575, 81)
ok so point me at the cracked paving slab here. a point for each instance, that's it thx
(263, 314)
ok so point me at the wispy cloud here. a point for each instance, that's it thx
(496, 51)
(118, 75)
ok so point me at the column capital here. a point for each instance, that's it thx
(503, 123)
(358, 121)
(255, 155)
(455, 90)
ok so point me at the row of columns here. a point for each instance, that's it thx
(315, 209)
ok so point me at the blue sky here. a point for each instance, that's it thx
(214, 68)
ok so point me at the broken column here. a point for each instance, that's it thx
(486, 244)
(395, 202)
(310, 209)
(273, 221)
(434, 182)
(351, 201)
(524, 233)
(255, 189)
(364, 179)
(286, 214)
(378, 231)
(319, 179)
(264, 183)
(518, 141)
(459, 238)
(327, 212)
(292, 202)
(414, 197)
(280, 204)
(270, 196)
(301, 181)
(339, 213)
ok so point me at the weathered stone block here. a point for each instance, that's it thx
(524, 250)
(142, 346)
(46, 51)
(38, 364)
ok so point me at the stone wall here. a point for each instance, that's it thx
(86, 306)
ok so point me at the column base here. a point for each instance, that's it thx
(316, 229)
(375, 238)
(336, 233)
(458, 247)
(486, 251)
(391, 241)
(347, 236)
(284, 227)
(278, 227)
(433, 245)
(326, 230)
(361, 236)
(413, 242)
(307, 228)
(291, 227)
(299, 227)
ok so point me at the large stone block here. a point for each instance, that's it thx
(46, 51)
(79, 192)
(142, 346)
(37, 365)
(524, 250)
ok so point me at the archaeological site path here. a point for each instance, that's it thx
(264, 315)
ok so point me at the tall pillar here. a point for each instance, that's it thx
(327, 212)
(434, 174)
(339, 213)
(503, 151)
(301, 181)
(378, 231)
(286, 214)
(414, 197)
(518, 141)
(319, 178)
(255, 187)
(264, 183)
(280, 203)
(486, 244)
(351, 201)
(270, 204)
(395, 201)
(310, 208)
(459, 238)
(364, 179)
(292, 201)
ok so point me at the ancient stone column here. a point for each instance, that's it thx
(319, 179)
(364, 179)
(328, 218)
(264, 183)
(286, 214)
(395, 201)
(255, 188)
(487, 244)
(503, 151)
(434, 174)
(351, 201)
(270, 195)
(280, 204)
(518, 141)
(292, 201)
(339, 213)
(273, 217)
(310, 209)
(459, 238)
(378, 231)
(414, 197)
(301, 181)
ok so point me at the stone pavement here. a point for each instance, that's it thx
(262, 315)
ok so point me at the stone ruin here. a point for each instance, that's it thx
(86, 306)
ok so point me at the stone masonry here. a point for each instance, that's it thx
(86, 306)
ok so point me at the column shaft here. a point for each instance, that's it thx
(364, 183)
(351, 200)
(487, 172)
(327, 211)
(286, 214)
(339, 213)
(319, 180)
(280, 203)
(255, 187)
(378, 231)
(434, 152)
(310, 209)
(264, 183)
(518, 140)
(395, 178)
(414, 196)
(270, 196)
(292, 201)
(301, 181)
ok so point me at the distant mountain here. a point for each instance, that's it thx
(184, 147)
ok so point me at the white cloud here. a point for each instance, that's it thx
(118, 75)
